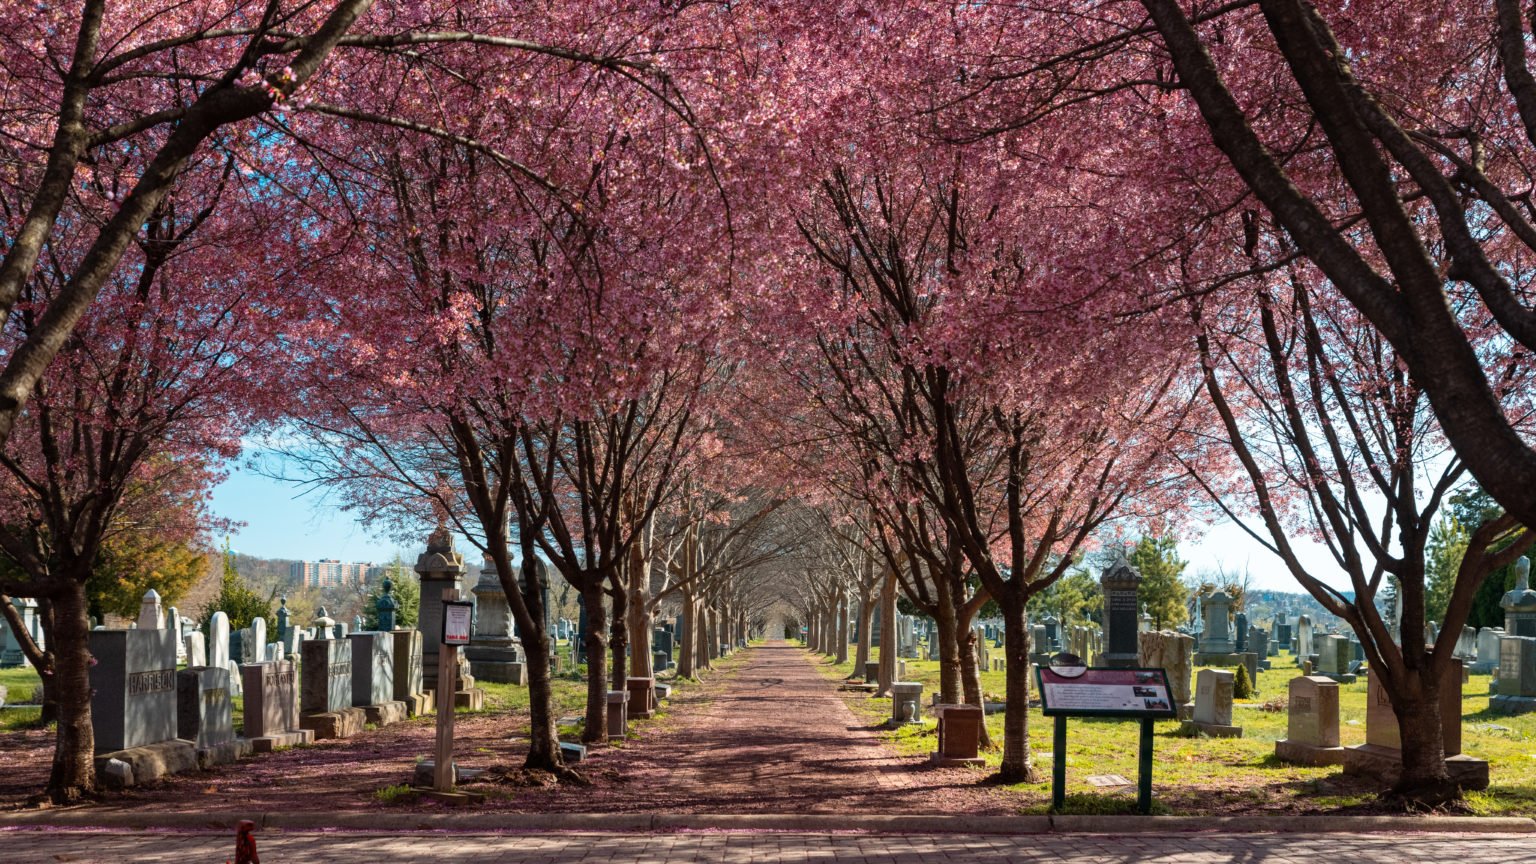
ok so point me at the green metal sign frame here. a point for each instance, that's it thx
(1105, 677)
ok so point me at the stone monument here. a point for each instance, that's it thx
(1216, 643)
(1516, 676)
(408, 674)
(494, 655)
(1121, 607)
(373, 678)
(272, 707)
(205, 716)
(1213, 705)
(325, 706)
(1520, 604)
(1381, 755)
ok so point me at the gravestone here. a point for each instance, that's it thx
(272, 706)
(1517, 676)
(1381, 757)
(440, 567)
(494, 655)
(1487, 650)
(1213, 705)
(150, 615)
(1258, 643)
(196, 650)
(174, 624)
(662, 644)
(284, 620)
(1466, 645)
(1304, 646)
(1280, 632)
(325, 697)
(1121, 607)
(258, 640)
(959, 735)
(1240, 632)
(373, 678)
(408, 675)
(1519, 604)
(1039, 645)
(1312, 723)
(1334, 654)
(1217, 638)
(133, 688)
(1052, 627)
(642, 696)
(218, 640)
(205, 715)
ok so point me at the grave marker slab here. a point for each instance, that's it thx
(1213, 705)
(133, 699)
(1312, 723)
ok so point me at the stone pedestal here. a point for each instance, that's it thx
(373, 678)
(618, 715)
(906, 702)
(205, 715)
(642, 697)
(959, 735)
(133, 699)
(1312, 723)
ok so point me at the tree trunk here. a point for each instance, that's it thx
(685, 637)
(638, 620)
(618, 644)
(711, 634)
(1424, 781)
(1016, 767)
(887, 636)
(842, 626)
(73, 775)
(866, 613)
(543, 738)
(596, 729)
(701, 637)
(949, 649)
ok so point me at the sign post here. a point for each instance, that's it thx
(456, 632)
(1082, 691)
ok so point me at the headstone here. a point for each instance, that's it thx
(1520, 604)
(1213, 705)
(272, 706)
(1240, 632)
(1381, 757)
(1312, 723)
(1217, 638)
(384, 609)
(1517, 676)
(205, 714)
(218, 640)
(1173, 653)
(133, 688)
(196, 650)
(408, 674)
(1487, 650)
(1334, 654)
(327, 684)
(1304, 645)
(257, 640)
(150, 615)
(1258, 644)
(173, 623)
(1120, 583)
(373, 678)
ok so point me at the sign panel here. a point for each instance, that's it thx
(1099, 692)
(457, 617)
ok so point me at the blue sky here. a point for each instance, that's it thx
(283, 523)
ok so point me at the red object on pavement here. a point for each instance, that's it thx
(245, 843)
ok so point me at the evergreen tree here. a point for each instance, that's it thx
(236, 599)
(1162, 590)
(407, 593)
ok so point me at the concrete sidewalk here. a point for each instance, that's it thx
(38, 846)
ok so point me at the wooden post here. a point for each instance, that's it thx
(447, 682)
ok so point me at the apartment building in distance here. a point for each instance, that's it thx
(331, 573)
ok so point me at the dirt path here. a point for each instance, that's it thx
(772, 735)
(768, 733)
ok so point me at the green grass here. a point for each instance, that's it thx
(20, 685)
(1193, 775)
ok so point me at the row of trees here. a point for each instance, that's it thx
(597, 287)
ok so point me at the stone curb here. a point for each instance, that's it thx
(607, 823)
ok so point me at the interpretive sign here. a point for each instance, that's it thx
(457, 621)
(1095, 692)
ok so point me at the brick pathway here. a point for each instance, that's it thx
(54, 847)
(771, 736)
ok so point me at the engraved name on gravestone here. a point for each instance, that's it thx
(271, 699)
